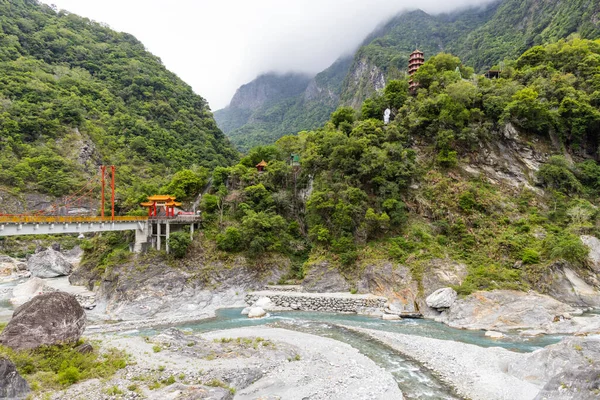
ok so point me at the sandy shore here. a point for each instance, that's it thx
(474, 372)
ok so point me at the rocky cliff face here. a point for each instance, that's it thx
(269, 88)
(251, 98)
(364, 79)
(275, 105)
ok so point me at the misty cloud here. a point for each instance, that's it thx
(216, 46)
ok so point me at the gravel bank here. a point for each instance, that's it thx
(267, 363)
(474, 372)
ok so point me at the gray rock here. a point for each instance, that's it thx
(394, 282)
(47, 319)
(593, 243)
(442, 298)
(390, 317)
(263, 302)
(574, 384)
(12, 385)
(48, 264)
(494, 334)
(245, 311)
(564, 283)
(322, 278)
(84, 348)
(503, 310)
(570, 353)
(256, 312)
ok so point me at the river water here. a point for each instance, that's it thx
(415, 381)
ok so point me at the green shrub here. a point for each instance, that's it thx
(466, 201)
(530, 256)
(57, 367)
(179, 243)
(566, 246)
(557, 174)
(231, 240)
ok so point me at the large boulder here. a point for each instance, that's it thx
(256, 312)
(12, 385)
(48, 264)
(47, 319)
(442, 298)
(503, 310)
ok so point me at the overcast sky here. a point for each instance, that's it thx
(218, 45)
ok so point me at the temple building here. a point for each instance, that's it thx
(160, 205)
(416, 59)
(261, 166)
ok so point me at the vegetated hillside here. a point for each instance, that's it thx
(274, 105)
(482, 37)
(490, 173)
(258, 102)
(75, 94)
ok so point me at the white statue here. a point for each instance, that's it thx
(386, 116)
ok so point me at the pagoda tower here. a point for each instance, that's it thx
(416, 59)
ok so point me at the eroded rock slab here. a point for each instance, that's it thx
(571, 353)
(503, 310)
(322, 278)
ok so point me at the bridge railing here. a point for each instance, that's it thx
(26, 219)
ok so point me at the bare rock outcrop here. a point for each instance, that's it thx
(570, 353)
(323, 278)
(47, 319)
(12, 385)
(567, 285)
(593, 243)
(503, 310)
(404, 292)
(582, 383)
(48, 264)
(160, 291)
(394, 282)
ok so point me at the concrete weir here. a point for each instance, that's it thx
(332, 302)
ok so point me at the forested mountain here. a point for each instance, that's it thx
(498, 174)
(274, 105)
(482, 37)
(75, 94)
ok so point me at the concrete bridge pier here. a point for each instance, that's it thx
(141, 238)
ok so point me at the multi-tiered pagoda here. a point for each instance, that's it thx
(417, 58)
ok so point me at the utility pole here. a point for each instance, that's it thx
(102, 173)
(112, 187)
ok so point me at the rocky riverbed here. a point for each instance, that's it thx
(493, 373)
(251, 363)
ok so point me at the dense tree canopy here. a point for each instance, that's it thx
(75, 94)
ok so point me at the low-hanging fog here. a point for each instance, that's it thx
(216, 46)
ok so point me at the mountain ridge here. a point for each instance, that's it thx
(481, 36)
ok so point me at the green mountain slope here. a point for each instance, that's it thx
(75, 94)
(481, 37)
(497, 174)
(297, 103)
